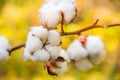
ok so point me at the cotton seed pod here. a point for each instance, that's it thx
(27, 56)
(76, 51)
(68, 9)
(4, 44)
(95, 48)
(64, 55)
(56, 67)
(83, 64)
(4, 55)
(41, 55)
(54, 51)
(33, 43)
(50, 17)
(40, 32)
(54, 38)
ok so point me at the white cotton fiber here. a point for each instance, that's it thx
(64, 55)
(54, 37)
(83, 64)
(33, 43)
(95, 48)
(4, 44)
(76, 51)
(27, 56)
(49, 15)
(54, 51)
(41, 55)
(4, 55)
(40, 32)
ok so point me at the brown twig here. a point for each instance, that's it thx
(62, 23)
(16, 47)
(95, 25)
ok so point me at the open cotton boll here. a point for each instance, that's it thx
(27, 56)
(64, 55)
(69, 11)
(95, 48)
(41, 55)
(49, 15)
(62, 68)
(33, 43)
(83, 64)
(4, 44)
(56, 67)
(40, 32)
(54, 38)
(4, 55)
(54, 51)
(76, 51)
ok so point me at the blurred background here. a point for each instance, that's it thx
(17, 16)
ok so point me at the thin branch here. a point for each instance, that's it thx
(95, 25)
(16, 47)
(62, 23)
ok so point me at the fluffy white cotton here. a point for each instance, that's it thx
(54, 51)
(40, 32)
(62, 68)
(95, 48)
(33, 43)
(4, 55)
(41, 55)
(54, 38)
(49, 15)
(68, 9)
(27, 56)
(83, 64)
(76, 51)
(4, 44)
(64, 55)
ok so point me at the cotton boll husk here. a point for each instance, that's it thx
(49, 15)
(41, 55)
(54, 37)
(27, 56)
(4, 55)
(95, 48)
(64, 55)
(83, 64)
(76, 51)
(54, 51)
(69, 11)
(62, 68)
(40, 32)
(33, 43)
(4, 44)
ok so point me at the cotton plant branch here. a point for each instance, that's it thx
(16, 47)
(78, 32)
(95, 25)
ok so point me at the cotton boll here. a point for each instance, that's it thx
(83, 64)
(69, 11)
(4, 44)
(50, 17)
(33, 43)
(27, 56)
(40, 32)
(4, 55)
(54, 51)
(41, 55)
(54, 38)
(64, 55)
(95, 48)
(57, 66)
(76, 51)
